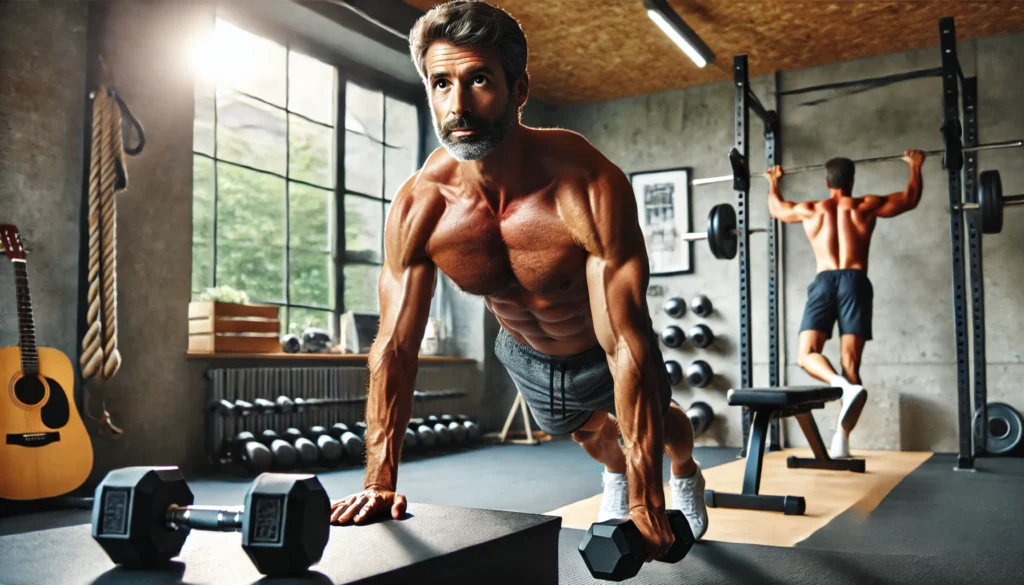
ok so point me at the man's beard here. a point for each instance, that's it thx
(488, 135)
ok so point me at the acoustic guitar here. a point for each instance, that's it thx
(45, 450)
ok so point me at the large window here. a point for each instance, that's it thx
(267, 185)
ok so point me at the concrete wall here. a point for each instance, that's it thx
(42, 77)
(909, 369)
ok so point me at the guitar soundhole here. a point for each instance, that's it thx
(29, 390)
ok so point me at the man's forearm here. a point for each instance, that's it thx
(638, 412)
(388, 410)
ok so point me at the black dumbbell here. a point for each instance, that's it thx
(141, 516)
(250, 453)
(699, 374)
(329, 447)
(675, 372)
(444, 434)
(701, 335)
(673, 336)
(308, 453)
(285, 455)
(291, 344)
(701, 306)
(243, 408)
(351, 443)
(613, 550)
(472, 431)
(424, 433)
(675, 307)
(283, 404)
(263, 406)
(300, 405)
(360, 429)
(458, 432)
(701, 416)
(223, 407)
(411, 442)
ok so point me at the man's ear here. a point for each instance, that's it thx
(521, 91)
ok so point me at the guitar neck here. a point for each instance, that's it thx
(26, 323)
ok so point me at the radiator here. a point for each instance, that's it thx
(249, 384)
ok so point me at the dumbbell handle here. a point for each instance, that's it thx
(205, 518)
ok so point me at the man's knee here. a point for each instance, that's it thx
(582, 436)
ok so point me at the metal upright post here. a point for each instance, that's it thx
(771, 128)
(741, 184)
(977, 281)
(954, 164)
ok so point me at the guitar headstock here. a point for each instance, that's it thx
(10, 239)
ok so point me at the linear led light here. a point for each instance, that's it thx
(682, 35)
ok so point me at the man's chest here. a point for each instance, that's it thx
(528, 246)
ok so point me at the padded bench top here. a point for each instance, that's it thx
(785, 396)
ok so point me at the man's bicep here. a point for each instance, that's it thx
(888, 205)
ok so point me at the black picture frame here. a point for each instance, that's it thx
(673, 184)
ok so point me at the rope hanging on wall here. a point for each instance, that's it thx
(107, 176)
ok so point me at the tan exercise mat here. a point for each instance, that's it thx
(827, 493)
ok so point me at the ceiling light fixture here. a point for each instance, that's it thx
(672, 25)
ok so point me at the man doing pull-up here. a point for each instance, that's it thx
(840, 229)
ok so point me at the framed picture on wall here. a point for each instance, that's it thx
(663, 205)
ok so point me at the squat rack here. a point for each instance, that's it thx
(957, 134)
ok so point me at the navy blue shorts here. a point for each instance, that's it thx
(562, 392)
(839, 295)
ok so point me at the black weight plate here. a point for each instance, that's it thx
(990, 198)
(721, 231)
(1005, 428)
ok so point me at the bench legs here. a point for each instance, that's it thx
(750, 499)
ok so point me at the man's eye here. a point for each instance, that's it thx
(479, 79)
(440, 84)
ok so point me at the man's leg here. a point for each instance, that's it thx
(854, 395)
(599, 437)
(810, 356)
(687, 481)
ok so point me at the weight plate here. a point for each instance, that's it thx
(990, 199)
(721, 231)
(1005, 428)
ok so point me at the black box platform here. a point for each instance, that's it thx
(434, 544)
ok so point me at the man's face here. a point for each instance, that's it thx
(473, 109)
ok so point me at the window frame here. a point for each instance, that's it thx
(346, 70)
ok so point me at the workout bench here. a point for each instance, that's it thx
(767, 404)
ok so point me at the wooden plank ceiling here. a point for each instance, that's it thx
(585, 51)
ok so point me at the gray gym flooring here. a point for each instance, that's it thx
(937, 526)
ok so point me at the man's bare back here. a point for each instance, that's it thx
(840, 227)
(520, 249)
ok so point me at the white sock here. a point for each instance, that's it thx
(839, 382)
(614, 476)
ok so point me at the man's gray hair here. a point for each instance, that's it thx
(471, 23)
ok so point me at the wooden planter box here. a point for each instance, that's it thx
(233, 328)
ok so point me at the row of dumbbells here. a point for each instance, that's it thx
(699, 374)
(280, 405)
(319, 446)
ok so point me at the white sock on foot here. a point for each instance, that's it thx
(839, 382)
(840, 446)
(615, 499)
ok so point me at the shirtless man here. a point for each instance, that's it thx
(840, 229)
(545, 228)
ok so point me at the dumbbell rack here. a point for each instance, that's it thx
(336, 395)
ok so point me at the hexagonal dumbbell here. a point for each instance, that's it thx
(613, 550)
(142, 515)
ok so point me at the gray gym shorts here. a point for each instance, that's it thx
(562, 392)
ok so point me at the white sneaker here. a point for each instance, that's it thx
(615, 500)
(688, 497)
(840, 446)
(854, 398)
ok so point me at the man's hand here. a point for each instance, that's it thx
(914, 158)
(366, 504)
(773, 174)
(657, 532)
